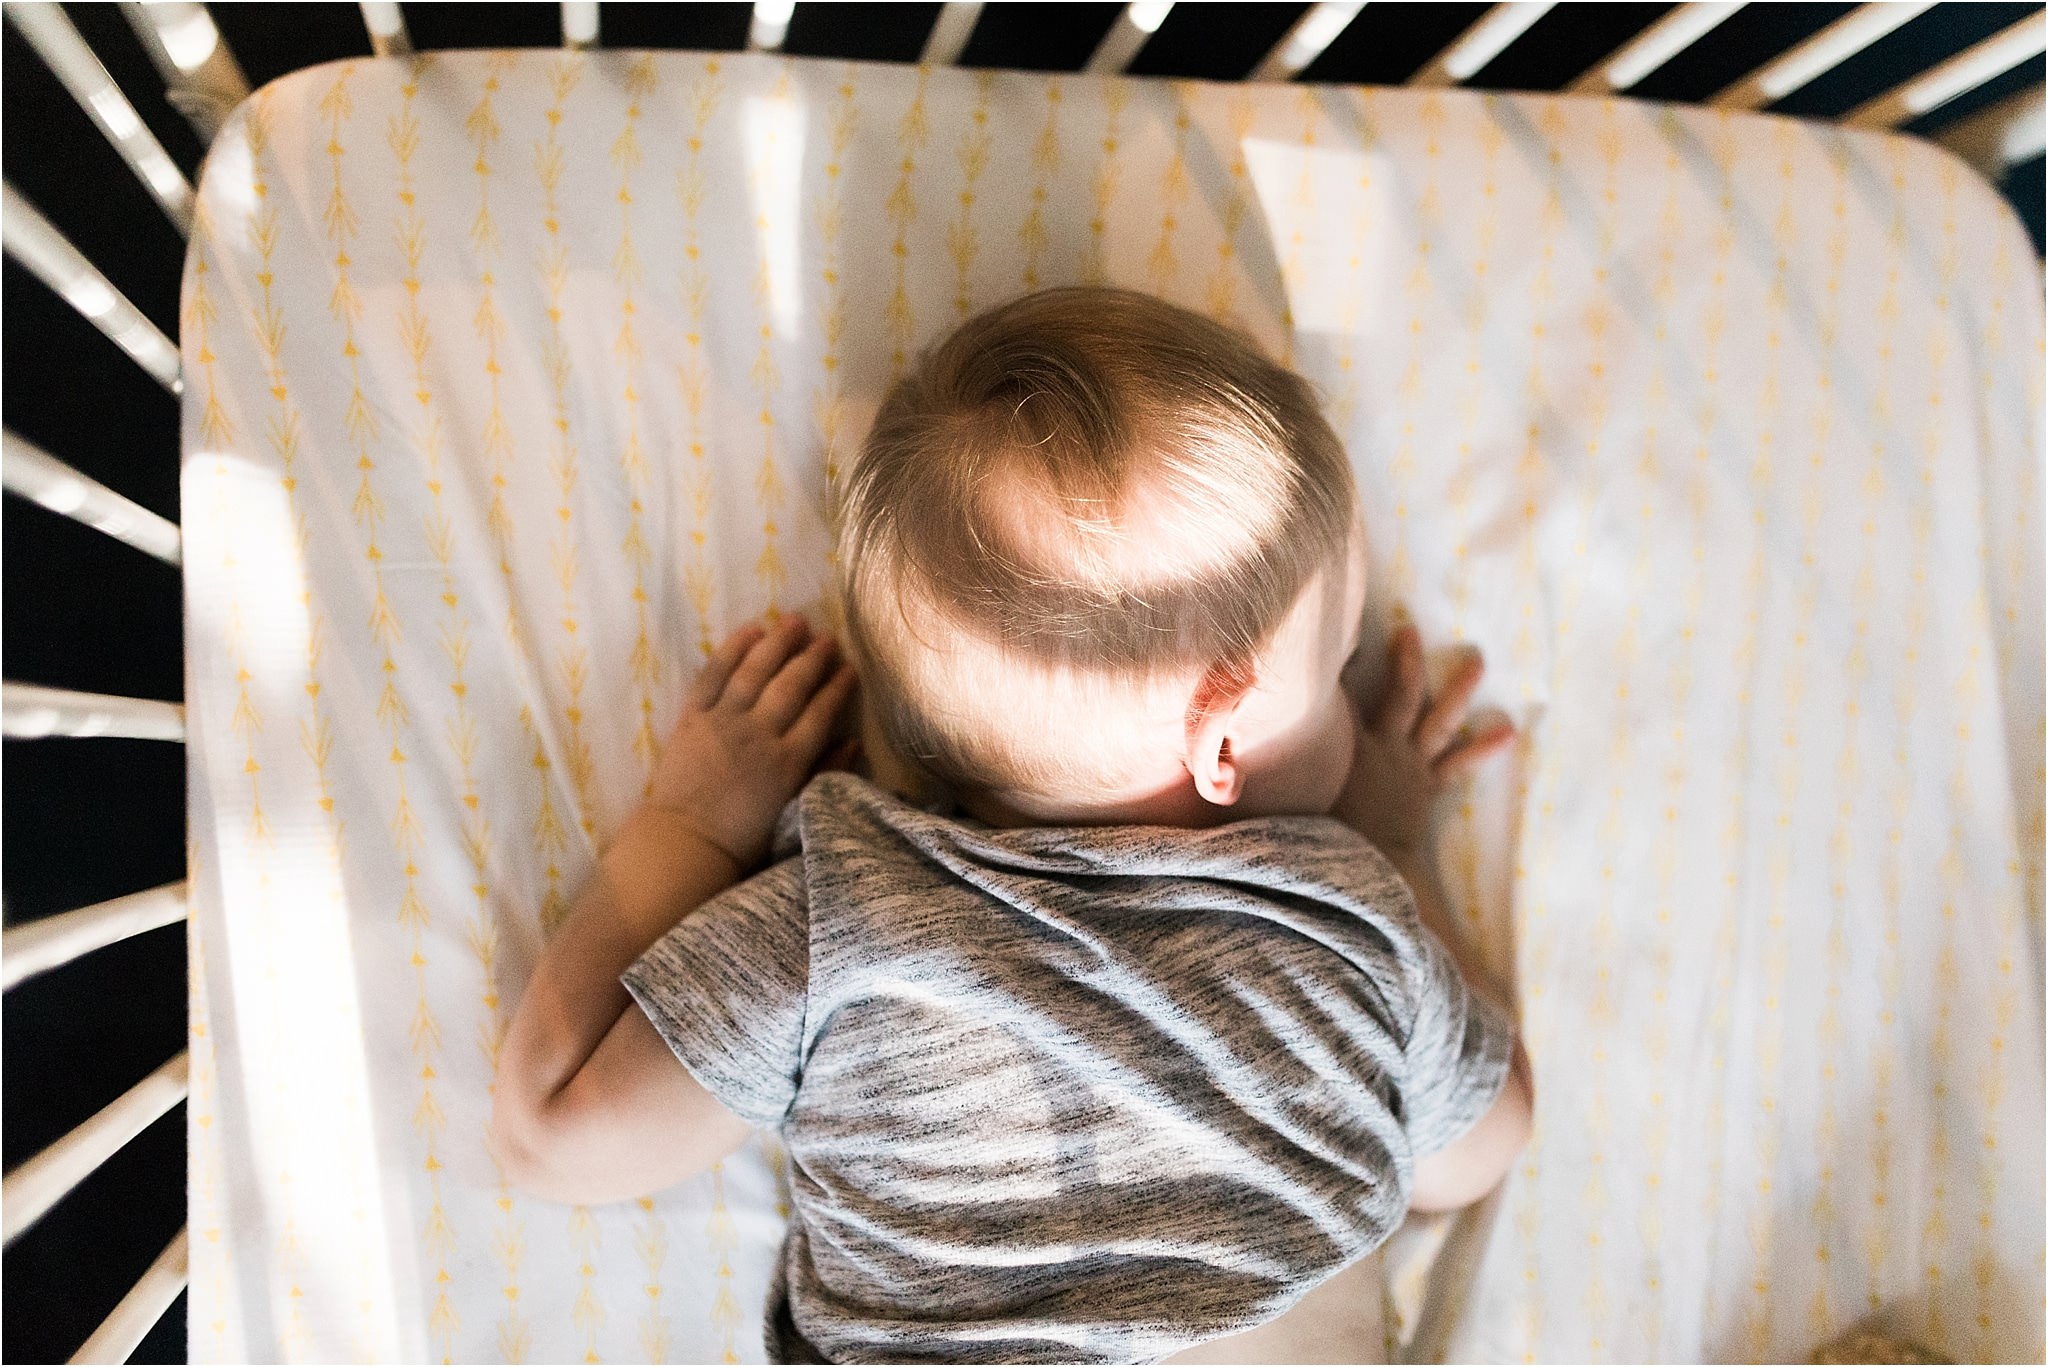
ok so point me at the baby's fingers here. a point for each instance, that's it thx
(761, 663)
(1447, 713)
(1403, 701)
(813, 725)
(792, 687)
(1464, 758)
(710, 680)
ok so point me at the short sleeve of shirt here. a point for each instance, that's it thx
(727, 990)
(1458, 1052)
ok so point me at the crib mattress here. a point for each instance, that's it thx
(513, 380)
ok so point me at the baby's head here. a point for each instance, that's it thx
(1100, 562)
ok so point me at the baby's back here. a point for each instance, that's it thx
(1072, 1093)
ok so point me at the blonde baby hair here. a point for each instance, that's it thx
(1088, 485)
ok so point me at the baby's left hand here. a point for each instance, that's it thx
(1408, 751)
(754, 722)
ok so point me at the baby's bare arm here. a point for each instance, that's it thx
(1407, 753)
(589, 1104)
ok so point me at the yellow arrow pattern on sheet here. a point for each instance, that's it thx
(1032, 234)
(699, 581)
(512, 1333)
(829, 407)
(778, 117)
(963, 239)
(901, 208)
(364, 436)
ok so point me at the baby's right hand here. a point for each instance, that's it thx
(753, 725)
(1405, 755)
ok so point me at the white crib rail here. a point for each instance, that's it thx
(579, 24)
(2007, 133)
(1128, 34)
(43, 23)
(1656, 45)
(1820, 54)
(31, 239)
(27, 1193)
(202, 80)
(141, 1308)
(948, 38)
(53, 941)
(769, 24)
(386, 25)
(33, 473)
(1303, 43)
(31, 1190)
(1489, 36)
(1964, 72)
(32, 712)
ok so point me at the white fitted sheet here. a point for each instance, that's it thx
(512, 380)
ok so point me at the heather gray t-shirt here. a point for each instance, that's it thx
(1069, 1094)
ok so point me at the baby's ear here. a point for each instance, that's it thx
(1212, 721)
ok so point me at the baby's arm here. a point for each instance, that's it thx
(1405, 757)
(590, 1105)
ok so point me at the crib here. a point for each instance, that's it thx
(1454, 1286)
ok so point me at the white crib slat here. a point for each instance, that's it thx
(949, 35)
(1481, 43)
(1649, 50)
(142, 1307)
(769, 25)
(1303, 43)
(33, 473)
(579, 24)
(29, 712)
(1821, 53)
(27, 1193)
(1968, 69)
(1118, 46)
(54, 941)
(2005, 134)
(201, 78)
(50, 33)
(386, 25)
(32, 240)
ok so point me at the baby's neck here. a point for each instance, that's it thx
(1175, 803)
(1177, 806)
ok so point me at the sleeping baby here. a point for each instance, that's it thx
(1105, 1017)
